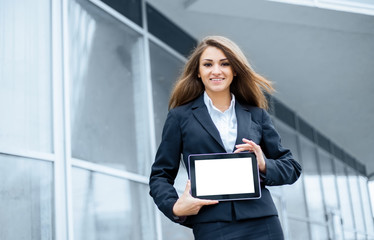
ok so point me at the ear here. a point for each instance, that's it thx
(198, 75)
(234, 74)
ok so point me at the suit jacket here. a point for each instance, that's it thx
(190, 130)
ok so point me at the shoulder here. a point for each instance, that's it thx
(258, 115)
(256, 112)
(180, 110)
(187, 107)
(181, 113)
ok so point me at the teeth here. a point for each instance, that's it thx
(217, 79)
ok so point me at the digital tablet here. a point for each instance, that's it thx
(224, 176)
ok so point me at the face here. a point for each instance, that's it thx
(215, 71)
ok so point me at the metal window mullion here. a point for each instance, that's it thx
(370, 207)
(297, 218)
(49, 157)
(148, 79)
(60, 213)
(109, 171)
(67, 129)
(306, 220)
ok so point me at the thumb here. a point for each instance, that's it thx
(188, 187)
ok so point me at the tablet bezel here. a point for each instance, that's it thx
(225, 197)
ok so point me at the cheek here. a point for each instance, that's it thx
(230, 75)
(204, 75)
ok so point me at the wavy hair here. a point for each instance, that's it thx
(248, 86)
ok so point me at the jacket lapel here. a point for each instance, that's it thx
(201, 113)
(244, 120)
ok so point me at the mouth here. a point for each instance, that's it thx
(216, 79)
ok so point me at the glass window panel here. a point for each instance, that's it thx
(319, 232)
(328, 180)
(312, 180)
(181, 179)
(335, 225)
(288, 137)
(361, 236)
(25, 76)
(171, 230)
(165, 69)
(108, 93)
(349, 235)
(330, 194)
(294, 194)
(298, 229)
(279, 205)
(26, 199)
(366, 205)
(106, 207)
(131, 9)
(344, 195)
(356, 200)
(276, 190)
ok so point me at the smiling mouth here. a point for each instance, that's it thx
(217, 79)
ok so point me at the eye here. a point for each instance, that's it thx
(207, 64)
(225, 64)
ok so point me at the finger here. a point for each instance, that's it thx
(238, 150)
(252, 144)
(242, 145)
(188, 187)
(207, 202)
(247, 147)
(256, 148)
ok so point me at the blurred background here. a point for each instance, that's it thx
(84, 93)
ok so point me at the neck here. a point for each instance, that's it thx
(220, 100)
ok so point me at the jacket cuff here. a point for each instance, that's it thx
(265, 176)
(181, 219)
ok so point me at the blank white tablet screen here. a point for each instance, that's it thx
(224, 176)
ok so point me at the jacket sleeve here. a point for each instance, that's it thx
(281, 167)
(165, 167)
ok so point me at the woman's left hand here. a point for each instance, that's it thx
(249, 145)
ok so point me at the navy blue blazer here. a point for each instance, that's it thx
(190, 130)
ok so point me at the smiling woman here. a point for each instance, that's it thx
(247, 85)
(218, 106)
(216, 74)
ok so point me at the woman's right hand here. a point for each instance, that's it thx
(187, 205)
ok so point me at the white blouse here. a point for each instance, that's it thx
(225, 122)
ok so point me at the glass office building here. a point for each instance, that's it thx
(84, 93)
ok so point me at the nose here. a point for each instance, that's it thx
(216, 69)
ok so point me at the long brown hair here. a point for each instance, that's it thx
(247, 86)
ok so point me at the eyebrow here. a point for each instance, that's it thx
(223, 59)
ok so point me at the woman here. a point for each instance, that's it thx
(218, 105)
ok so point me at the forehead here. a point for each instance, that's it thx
(212, 53)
